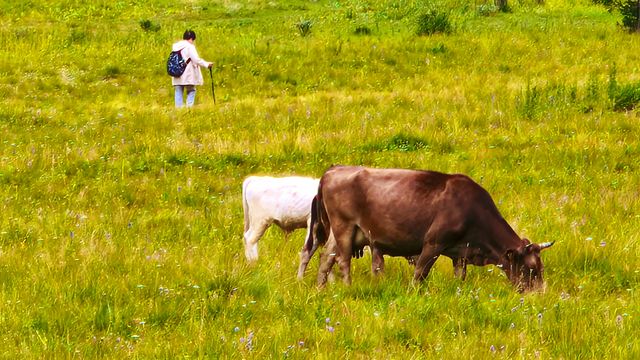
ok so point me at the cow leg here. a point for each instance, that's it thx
(345, 250)
(377, 261)
(425, 261)
(338, 246)
(305, 257)
(306, 254)
(460, 267)
(251, 238)
(343, 245)
(327, 259)
(345, 268)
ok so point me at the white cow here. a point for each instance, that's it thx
(285, 201)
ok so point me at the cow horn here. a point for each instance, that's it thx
(545, 245)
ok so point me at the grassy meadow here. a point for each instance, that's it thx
(121, 218)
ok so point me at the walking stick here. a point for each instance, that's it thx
(213, 92)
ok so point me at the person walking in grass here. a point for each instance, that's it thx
(192, 75)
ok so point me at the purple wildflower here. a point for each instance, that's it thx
(330, 329)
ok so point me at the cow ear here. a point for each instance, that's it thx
(532, 248)
(526, 241)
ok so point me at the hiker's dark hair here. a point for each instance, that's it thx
(189, 35)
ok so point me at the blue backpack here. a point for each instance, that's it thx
(176, 64)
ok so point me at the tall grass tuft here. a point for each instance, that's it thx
(626, 97)
(304, 27)
(433, 22)
(623, 97)
(148, 25)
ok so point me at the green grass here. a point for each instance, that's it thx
(121, 218)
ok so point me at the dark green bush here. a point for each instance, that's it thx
(630, 11)
(503, 5)
(111, 72)
(148, 25)
(304, 27)
(362, 30)
(623, 97)
(627, 97)
(433, 22)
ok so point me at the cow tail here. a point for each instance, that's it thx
(308, 245)
(323, 221)
(245, 205)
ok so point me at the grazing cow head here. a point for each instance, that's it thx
(524, 266)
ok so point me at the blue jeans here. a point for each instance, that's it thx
(191, 95)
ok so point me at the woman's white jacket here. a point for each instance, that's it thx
(192, 74)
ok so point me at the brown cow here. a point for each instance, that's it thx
(401, 212)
